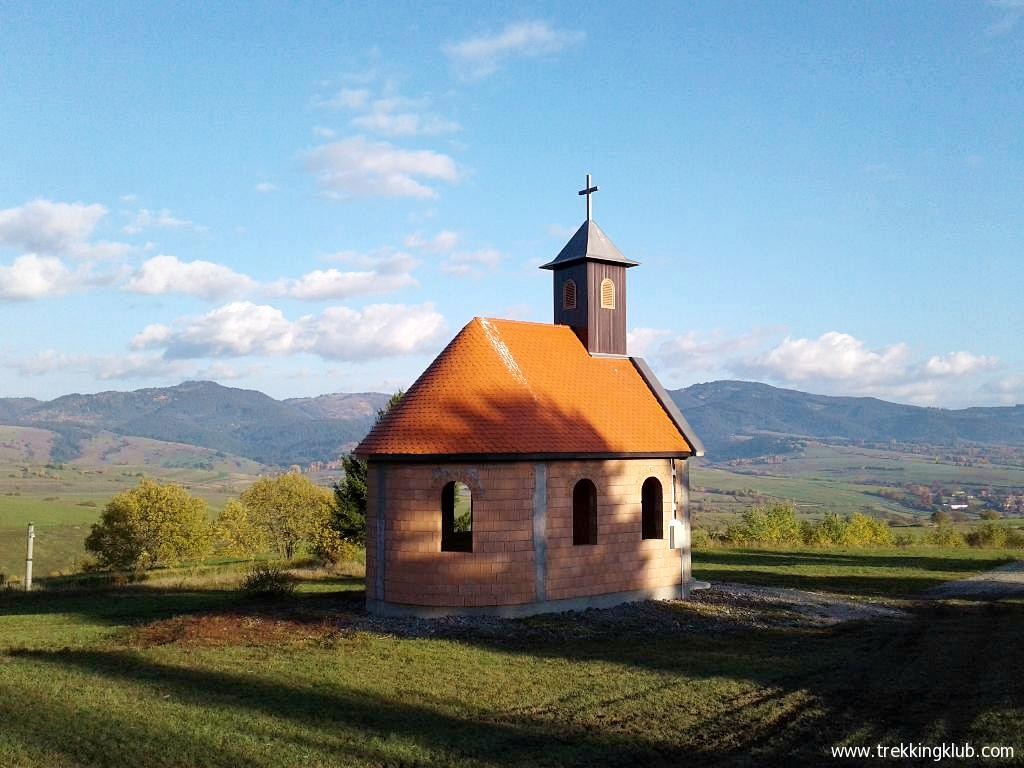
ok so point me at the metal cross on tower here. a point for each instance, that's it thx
(588, 192)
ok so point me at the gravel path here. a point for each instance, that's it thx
(816, 607)
(1003, 582)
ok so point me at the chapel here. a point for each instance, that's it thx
(533, 467)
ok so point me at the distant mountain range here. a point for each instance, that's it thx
(721, 411)
(733, 418)
(237, 421)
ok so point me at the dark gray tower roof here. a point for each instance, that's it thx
(589, 243)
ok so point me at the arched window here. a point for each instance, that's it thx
(607, 294)
(651, 509)
(456, 518)
(584, 513)
(569, 294)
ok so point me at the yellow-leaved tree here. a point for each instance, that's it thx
(290, 511)
(151, 525)
(237, 533)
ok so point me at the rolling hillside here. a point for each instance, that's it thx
(302, 430)
(722, 410)
(237, 421)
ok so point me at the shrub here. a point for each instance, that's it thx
(988, 535)
(904, 540)
(944, 535)
(267, 581)
(700, 539)
(236, 533)
(766, 524)
(289, 510)
(151, 525)
(856, 530)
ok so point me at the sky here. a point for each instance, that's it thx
(304, 198)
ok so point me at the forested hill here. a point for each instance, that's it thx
(722, 410)
(239, 421)
(302, 430)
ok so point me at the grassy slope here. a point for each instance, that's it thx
(78, 688)
(865, 572)
(64, 501)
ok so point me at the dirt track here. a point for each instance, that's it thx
(1003, 582)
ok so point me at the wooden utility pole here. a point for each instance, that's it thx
(28, 557)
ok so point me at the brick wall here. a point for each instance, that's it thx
(500, 570)
(621, 560)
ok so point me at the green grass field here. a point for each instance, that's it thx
(165, 675)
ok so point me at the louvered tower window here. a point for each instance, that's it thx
(569, 294)
(607, 294)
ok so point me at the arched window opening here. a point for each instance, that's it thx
(651, 509)
(607, 294)
(584, 513)
(569, 294)
(456, 518)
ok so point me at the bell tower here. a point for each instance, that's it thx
(590, 286)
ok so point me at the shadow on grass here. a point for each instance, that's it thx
(138, 604)
(860, 573)
(924, 680)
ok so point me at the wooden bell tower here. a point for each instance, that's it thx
(590, 286)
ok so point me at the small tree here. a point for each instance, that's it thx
(237, 533)
(944, 535)
(941, 517)
(349, 515)
(289, 511)
(766, 524)
(151, 525)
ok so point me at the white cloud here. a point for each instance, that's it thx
(481, 56)
(163, 219)
(234, 330)
(242, 328)
(443, 242)
(405, 124)
(322, 132)
(347, 98)
(334, 284)
(959, 364)
(57, 229)
(35, 277)
(166, 274)
(103, 367)
(355, 167)
(690, 352)
(390, 114)
(832, 356)
(264, 187)
(471, 263)
(379, 330)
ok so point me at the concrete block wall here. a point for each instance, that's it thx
(410, 568)
(499, 570)
(621, 560)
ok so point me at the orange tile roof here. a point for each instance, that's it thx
(506, 387)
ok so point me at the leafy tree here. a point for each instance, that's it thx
(766, 524)
(349, 515)
(941, 517)
(151, 525)
(944, 535)
(990, 514)
(237, 533)
(289, 511)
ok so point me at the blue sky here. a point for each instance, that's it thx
(315, 197)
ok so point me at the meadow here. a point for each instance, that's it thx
(64, 499)
(185, 670)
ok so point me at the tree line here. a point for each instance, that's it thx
(160, 524)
